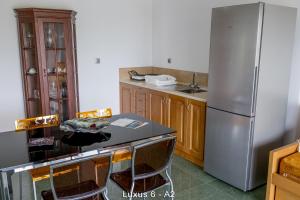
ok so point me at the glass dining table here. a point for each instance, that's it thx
(17, 156)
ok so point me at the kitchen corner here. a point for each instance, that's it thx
(168, 105)
(184, 78)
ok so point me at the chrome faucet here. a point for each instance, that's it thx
(194, 84)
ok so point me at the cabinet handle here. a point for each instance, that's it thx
(45, 72)
(188, 107)
(166, 100)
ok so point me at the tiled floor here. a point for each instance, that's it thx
(190, 183)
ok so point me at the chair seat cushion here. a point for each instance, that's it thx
(124, 180)
(73, 190)
(290, 167)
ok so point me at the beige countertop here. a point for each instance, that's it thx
(196, 96)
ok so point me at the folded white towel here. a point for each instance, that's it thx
(160, 80)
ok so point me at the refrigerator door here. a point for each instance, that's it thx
(234, 58)
(228, 142)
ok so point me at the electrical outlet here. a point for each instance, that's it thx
(169, 60)
(98, 60)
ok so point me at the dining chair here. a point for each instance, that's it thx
(119, 155)
(97, 113)
(149, 161)
(32, 124)
(66, 187)
(36, 122)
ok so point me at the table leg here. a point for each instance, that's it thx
(1, 190)
(4, 186)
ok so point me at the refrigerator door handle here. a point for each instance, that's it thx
(255, 85)
(250, 151)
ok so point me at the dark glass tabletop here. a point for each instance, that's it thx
(15, 150)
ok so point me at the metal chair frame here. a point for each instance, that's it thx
(102, 190)
(159, 171)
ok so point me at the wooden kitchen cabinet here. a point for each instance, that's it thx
(195, 130)
(140, 101)
(134, 100)
(126, 100)
(186, 116)
(177, 120)
(158, 107)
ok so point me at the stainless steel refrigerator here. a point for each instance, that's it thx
(249, 68)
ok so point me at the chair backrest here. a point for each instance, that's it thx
(97, 113)
(37, 122)
(151, 158)
(80, 184)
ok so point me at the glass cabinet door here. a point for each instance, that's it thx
(30, 70)
(56, 70)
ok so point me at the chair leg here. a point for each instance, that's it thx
(171, 184)
(96, 174)
(131, 190)
(105, 195)
(34, 190)
(20, 184)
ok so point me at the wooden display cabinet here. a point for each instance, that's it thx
(48, 52)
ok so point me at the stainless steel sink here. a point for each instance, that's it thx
(192, 90)
(183, 88)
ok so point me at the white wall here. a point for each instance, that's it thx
(117, 31)
(181, 31)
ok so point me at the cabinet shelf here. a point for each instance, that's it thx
(54, 49)
(58, 99)
(33, 99)
(57, 74)
(28, 74)
(28, 48)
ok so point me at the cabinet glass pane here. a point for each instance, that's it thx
(56, 68)
(30, 62)
(30, 68)
(34, 108)
(60, 36)
(54, 35)
(63, 87)
(28, 36)
(33, 88)
(64, 110)
(53, 90)
(54, 107)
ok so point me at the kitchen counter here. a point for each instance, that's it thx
(202, 96)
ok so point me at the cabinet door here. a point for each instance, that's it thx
(177, 119)
(196, 128)
(158, 107)
(140, 102)
(31, 73)
(125, 98)
(58, 67)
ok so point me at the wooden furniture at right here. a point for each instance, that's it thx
(278, 186)
(186, 116)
